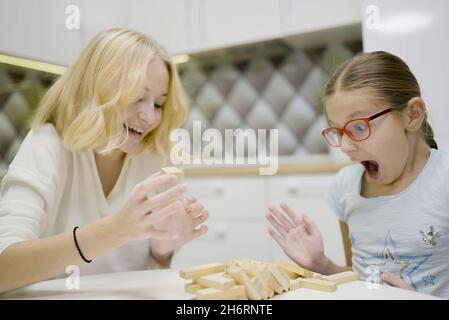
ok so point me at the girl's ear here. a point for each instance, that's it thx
(414, 114)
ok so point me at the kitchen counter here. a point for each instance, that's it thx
(166, 284)
(286, 165)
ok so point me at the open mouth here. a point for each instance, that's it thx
(371, 168)
(133, 131)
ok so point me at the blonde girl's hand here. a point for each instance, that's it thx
(141, 213)
(187, 223)
(299, 238)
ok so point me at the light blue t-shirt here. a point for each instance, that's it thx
(406, 233)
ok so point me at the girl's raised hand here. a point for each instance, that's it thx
(187, 223)
(141, 213)
(298, 236)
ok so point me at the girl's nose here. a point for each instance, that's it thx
(347, 144)
(148, 113)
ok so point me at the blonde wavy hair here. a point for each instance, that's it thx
(86, 105)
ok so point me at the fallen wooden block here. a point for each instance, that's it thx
(172, 170)
(242, 278)
(192, 287)
(280, 276)
(236, 292)
(266, 275)
(198, 271)
(275, 285)
(271, 283)
(216, 281)
(263, 285)
(294, 269)
(342, 277)
(295, 284)
(318, 284)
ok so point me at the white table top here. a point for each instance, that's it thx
(166, 284)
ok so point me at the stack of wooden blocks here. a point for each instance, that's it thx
(256, 280)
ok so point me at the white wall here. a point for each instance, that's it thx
(418, 32)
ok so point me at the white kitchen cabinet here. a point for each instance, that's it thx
(299, 16)
(218, 24)
(231, 198)
(225, 240)
(237, 227)
(37, 30)
(163, 20)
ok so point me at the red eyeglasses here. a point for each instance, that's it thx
(357, 129)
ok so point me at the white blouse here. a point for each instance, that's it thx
(49, 189)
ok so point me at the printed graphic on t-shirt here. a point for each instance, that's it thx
(404, 266)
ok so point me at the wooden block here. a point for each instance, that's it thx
(291, 275)
(242, 278)
(295, 284)
(270, 280)
(231, 263)
(318, 284)
(236, 292)
(280, 276)
(245, 265)
(216, 281)
(266, 275)
(172, 170)
(263, 285)
(315, 275)
(192, 287)
(202, 270)
(342, 277)
(275, 285)
(295, 269)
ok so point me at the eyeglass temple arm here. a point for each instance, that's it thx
(380, 114)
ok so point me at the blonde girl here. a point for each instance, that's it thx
(81, 189)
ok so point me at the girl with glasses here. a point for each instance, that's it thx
(395, 200)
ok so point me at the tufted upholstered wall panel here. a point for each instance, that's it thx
(281, 90)
(20, 92)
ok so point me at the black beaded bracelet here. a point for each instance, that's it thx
(78, 247)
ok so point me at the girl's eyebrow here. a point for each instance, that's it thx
(356, 113)
(352, 116)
